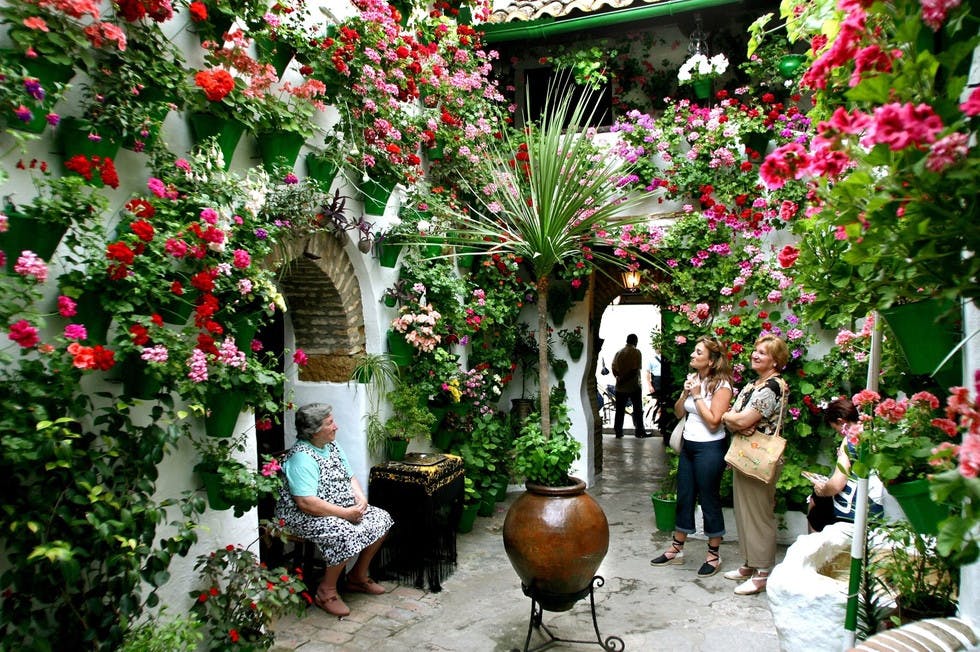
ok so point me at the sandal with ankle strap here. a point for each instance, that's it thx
(712, 562)
(673, 556)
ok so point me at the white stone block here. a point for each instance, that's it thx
(808, 607)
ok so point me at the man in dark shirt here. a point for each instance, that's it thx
(626, 366)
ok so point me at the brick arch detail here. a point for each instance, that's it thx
(323, 300)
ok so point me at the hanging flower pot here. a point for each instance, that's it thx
(757, 142)
(575, 349)
(375, 195)
(388, 253)
(226, 132)
(390, 301)
(702, 88)
(560, 367)
(437, 151)
(223, 410)
(176, 311)
(24, 233)
(789, 64)
(322, 169)
(578, 291)
(74, 138)
(96, 319)
(49, 75)
(137, 380)
(280, 147)
(212, 487)
(926, 332)
(400, 350)
(277, 53)
(920, 509)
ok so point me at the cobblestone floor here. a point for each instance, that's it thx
(481, 607)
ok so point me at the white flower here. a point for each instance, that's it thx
(719, 63)
(698, 66)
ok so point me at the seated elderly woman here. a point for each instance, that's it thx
(323, 502)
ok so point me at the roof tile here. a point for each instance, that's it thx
(522, 10)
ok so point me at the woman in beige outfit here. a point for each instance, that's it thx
(758, 406)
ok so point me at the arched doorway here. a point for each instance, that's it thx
(606, 340)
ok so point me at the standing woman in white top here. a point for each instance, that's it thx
(706, 396)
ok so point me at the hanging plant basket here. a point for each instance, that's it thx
(277, 53)
(226, 132)
(702, 88)
(400, 350)
(926, 332)
(375, 195)
(575, 350)
(322, 169)
(280, 147)
(24, 233)
(49, 74)
(920, 509)
(388, 253)
(223, 410)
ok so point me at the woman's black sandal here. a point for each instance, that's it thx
(673, 556)
(712, 563)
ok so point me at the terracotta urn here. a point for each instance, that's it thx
(555, 538)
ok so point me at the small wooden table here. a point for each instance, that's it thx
(424, 495)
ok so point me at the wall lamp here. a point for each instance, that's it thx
(631, 280)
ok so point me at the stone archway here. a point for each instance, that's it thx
(324, 304)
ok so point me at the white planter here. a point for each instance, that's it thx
(808, 607)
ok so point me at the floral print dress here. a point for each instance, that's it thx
(336, 538)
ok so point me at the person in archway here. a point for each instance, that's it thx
(626, 366)
(322, 501)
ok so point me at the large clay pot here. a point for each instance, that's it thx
(555, 538)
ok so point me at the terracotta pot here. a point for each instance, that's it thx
(556, 538)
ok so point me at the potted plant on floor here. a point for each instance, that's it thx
(665, 498)
(923, 582)
(563, 196)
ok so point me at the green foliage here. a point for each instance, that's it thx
(903, 213)
(910, 566)
(957, 538)
(546, 461)
(410, 417)
(81, 519)
(485, 452)
(162, 634)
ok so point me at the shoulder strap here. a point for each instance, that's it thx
(783, 396)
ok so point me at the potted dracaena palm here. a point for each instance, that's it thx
(564, 197)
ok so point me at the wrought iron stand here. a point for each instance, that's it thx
(611, 643)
